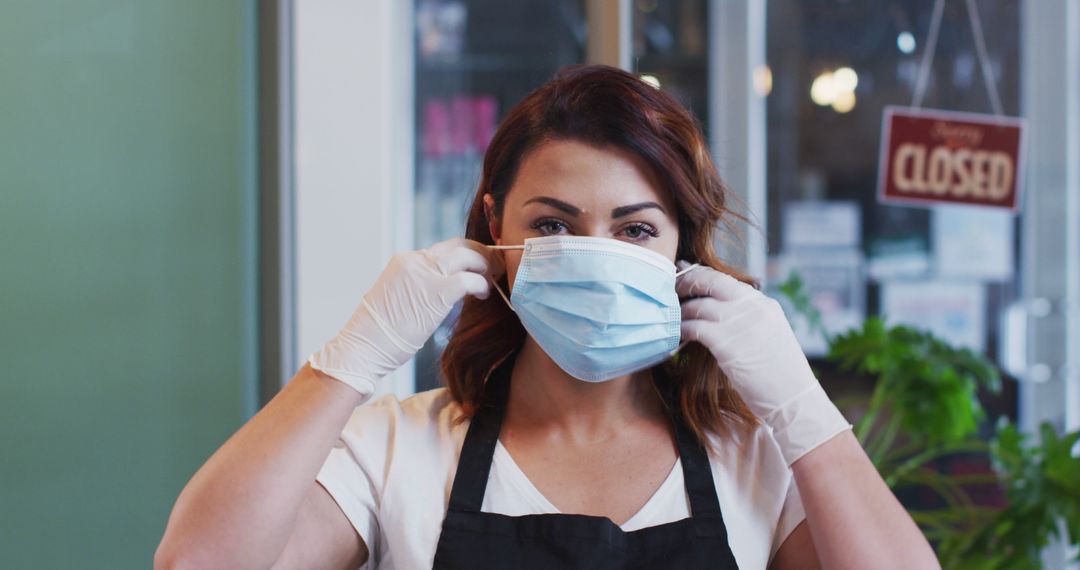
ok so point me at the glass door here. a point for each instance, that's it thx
(1005, 285)
(670, 49)
(836, 66)
(475, 59)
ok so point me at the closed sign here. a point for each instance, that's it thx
(946, 157)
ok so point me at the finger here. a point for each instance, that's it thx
(468, 283)
(446, 246)
(496, 262)
(708, 282)
(694, 330)
(462, 258)
(704, 308)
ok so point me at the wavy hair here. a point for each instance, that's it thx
(606, 107)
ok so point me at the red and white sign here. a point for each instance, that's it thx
(930, 157)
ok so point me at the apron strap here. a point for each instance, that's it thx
(474, 464)
(697, 472)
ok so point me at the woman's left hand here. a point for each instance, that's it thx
(754, 345)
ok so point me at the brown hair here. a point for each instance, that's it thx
(605, 106)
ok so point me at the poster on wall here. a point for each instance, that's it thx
(834, 280)
(898, 257)
(953, 311)
(937, 157)
(821, 223)
(973, 243)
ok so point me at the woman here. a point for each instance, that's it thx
(632, 402)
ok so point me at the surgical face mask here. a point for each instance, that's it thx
(600, 308)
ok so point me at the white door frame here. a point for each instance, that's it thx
(1050, 262)
(737, 126)
(353, 117)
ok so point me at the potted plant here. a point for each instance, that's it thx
(924, 406)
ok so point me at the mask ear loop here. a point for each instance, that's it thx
(677, 275)
(687, 270)
(496, 285)
(501, 294)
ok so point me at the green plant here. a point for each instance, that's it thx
(925, 406)
(1043, 488)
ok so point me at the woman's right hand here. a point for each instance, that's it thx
(408, 301)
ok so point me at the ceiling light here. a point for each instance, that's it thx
(845, 79)
(905, 42)
(822, 90)
(844, 101)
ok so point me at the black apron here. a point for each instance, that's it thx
(471, 539)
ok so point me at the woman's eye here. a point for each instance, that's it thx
(640, 232)
(549, 227)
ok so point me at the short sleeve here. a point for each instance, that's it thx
(791, 515)
(353, 473)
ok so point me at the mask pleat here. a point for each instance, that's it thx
(599, 310)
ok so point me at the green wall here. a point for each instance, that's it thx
(127, 266)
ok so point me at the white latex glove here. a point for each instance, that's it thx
(408, 301)
(754, 345)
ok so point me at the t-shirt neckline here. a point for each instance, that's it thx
(541, 503)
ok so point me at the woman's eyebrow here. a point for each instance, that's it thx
(627, 210)
(557, 204)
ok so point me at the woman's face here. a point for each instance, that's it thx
(566, 187)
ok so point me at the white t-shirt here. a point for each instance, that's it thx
(393, 466)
